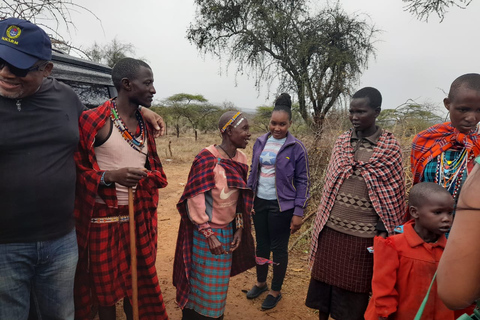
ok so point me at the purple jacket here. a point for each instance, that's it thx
(291, 173)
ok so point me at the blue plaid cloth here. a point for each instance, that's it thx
(210, 274)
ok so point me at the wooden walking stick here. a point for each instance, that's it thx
(133, 254)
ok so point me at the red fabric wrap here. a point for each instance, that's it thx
(431, 142)
(200, 180)
(151, 304)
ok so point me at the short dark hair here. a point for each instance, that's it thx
(284, 103)
(470, 80)
(126, 68)
(374, 96)
(422, 191)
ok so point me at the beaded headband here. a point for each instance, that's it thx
(229, 122)
(238, 123)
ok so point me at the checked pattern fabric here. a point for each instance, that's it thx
(201, 179)
(151, 304)
(431, 142)
(383, 175)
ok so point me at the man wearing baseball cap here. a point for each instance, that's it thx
(38, 136)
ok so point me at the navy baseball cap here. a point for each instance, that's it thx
(23, 43)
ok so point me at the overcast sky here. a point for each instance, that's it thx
(414, 60)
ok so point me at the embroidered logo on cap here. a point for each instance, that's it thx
(13, 32)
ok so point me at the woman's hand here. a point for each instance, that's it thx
(128, 177)
(237, 238)
(215, 245)
(295, 224)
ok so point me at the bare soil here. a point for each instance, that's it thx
(294, 290)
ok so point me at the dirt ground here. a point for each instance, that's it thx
(294, 290)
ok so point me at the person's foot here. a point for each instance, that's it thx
(271, 301)
(256, 291)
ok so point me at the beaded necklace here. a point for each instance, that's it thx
(450, 173)
(135, 142)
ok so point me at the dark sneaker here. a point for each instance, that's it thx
(270, 301)
(256, 291)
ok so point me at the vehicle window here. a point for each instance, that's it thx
(91, 95)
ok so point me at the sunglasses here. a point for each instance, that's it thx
(21, 72)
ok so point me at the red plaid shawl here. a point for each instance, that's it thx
(383, 174)
(429, 143)
(145, 203)
(201, 179)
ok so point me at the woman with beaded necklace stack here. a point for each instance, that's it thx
(445, 153)
(214, 240)
(279, 178)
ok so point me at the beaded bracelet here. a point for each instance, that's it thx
(207, 233)
(102, 180)
(239, 220)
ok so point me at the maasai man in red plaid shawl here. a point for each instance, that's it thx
(214, 239)
(363, 196)
(445, 153)
(110, 158)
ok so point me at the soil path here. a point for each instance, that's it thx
(294, 290)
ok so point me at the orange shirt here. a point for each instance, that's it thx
(403, 269)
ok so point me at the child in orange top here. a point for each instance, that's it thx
(404, 264)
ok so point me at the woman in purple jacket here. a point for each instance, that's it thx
(279, 178)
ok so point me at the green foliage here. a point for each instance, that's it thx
(262, 118)
(111, 53)
(195, 109)
(410, 118)
(317, 55)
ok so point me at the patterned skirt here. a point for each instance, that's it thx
(210, 275)
(343, 261)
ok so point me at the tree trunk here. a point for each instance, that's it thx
(177, 127)
(196, 135)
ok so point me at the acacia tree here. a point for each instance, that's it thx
(422, 9)
(194, 108)
(318, 56)
(111, 53)
(411, 117)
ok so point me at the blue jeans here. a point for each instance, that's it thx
(43, 270)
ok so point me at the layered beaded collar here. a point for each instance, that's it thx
(136, 143)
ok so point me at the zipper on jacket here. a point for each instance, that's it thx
(276, 192)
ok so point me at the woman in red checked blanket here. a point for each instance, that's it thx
(363, 196)
(214, 239)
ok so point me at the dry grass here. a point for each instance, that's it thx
(185, 148)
